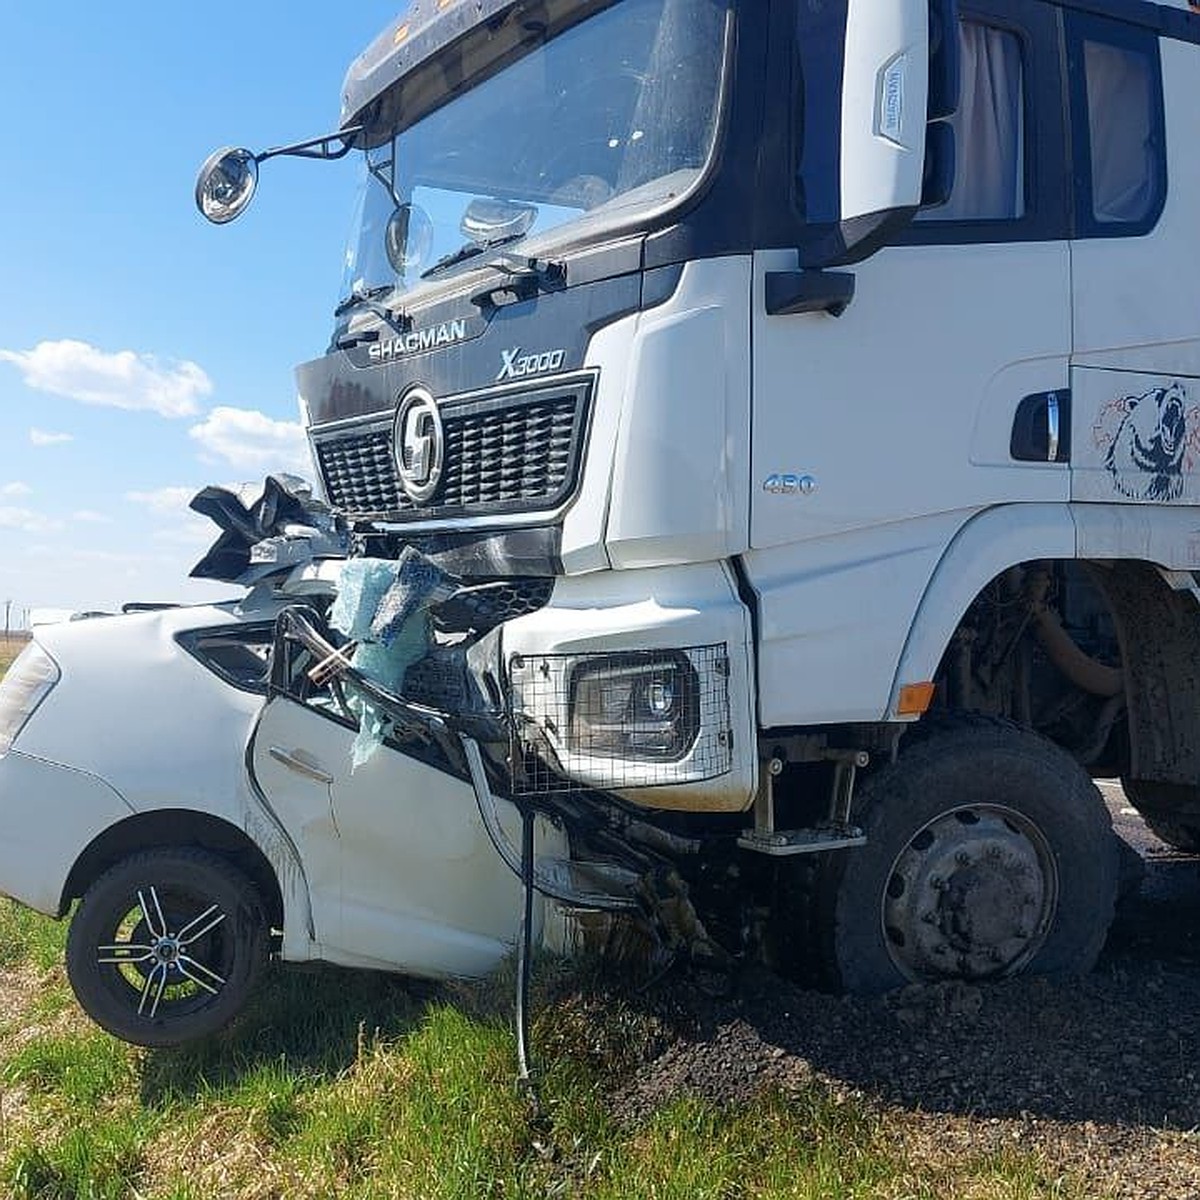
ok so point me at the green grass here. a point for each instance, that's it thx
(9, 649)
(346, 1084)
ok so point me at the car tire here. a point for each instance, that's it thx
(166, 946)
(989, 853)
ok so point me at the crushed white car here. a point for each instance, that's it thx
(145, 772)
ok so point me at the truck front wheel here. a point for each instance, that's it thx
(989, 853)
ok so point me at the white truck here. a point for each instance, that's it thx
(803, 399)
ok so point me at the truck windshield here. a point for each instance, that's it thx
(613, 117)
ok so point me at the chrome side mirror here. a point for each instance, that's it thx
(408, 238)
(226, 184)
(228, 178)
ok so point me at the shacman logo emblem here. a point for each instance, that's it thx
(418, 445)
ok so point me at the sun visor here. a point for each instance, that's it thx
(434, 50)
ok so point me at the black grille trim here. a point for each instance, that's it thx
(505, 453)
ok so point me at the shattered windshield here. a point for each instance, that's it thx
(616, 115)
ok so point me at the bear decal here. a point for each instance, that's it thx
(1152, 444)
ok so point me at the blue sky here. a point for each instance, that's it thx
(144, 352)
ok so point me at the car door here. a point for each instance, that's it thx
(399, 865)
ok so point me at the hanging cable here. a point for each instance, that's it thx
(525, 955)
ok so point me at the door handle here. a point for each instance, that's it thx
(1052, 427)
(297, 760)
(1041, 429)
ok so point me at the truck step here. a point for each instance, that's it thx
(786, 842)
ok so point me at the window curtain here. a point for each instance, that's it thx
(1119, 116)
(989, 130)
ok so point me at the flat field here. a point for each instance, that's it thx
(10, 647)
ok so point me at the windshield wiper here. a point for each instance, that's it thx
(470, 250)
(361, 296)
(523, 279)
(368, 298)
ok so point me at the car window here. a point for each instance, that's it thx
(238, 654)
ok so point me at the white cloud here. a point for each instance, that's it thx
(40, 437)
(88, 517)
(120, 379)
(252, 441)
(164, 499)
(27, 520)
(16, 488)
(192, 535)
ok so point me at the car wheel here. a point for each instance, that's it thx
(989, 853)
(166, 946)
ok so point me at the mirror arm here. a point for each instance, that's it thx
(318, 147)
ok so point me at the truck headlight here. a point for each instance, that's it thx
(634, 706)
(22, 689)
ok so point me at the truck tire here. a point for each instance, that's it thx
(1155, 801)
(166, 946)
(989, 853)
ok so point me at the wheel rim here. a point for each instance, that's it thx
(169, 952)
(973, 894)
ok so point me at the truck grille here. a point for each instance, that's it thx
(503, 454)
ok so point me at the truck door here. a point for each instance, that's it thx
(877, 432)
(1134, 389)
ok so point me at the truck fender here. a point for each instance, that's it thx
(986, 545)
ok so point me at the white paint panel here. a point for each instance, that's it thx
(1165, 535)
(610, 352)
(681, 471)
(833, 617)
(902, 407)
(667, 468)
(902, 413)
(140, 712)
(51, 813)
(985, 546)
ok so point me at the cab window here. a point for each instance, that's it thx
(1117, 112)
(989, 129)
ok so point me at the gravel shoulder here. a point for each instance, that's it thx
(1100, 1073)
